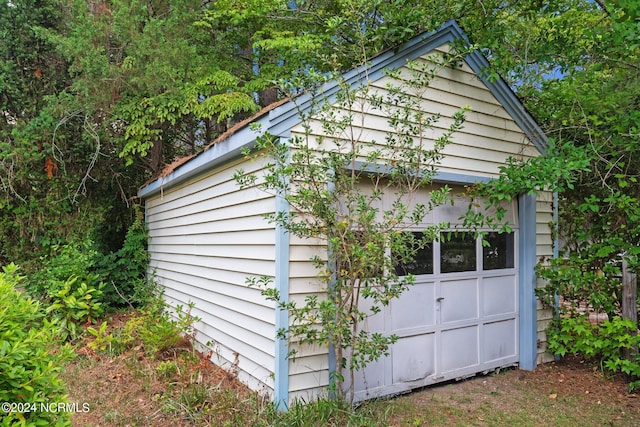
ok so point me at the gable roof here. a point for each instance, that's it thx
(280, 117)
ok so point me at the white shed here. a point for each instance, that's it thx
(207, 235)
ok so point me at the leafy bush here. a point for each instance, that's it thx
(124, 271)
(66, 261)
(159, 330)
(603, 342)
(74, 305)
(581, 285)
(30, 356)
(117, 278)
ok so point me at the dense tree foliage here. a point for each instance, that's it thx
(581, 79)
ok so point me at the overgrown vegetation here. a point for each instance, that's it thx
(116, 279)
(31, 358)
(188, 391)
(97, 96)
(587, 315)
(604, 342)
(35, 339)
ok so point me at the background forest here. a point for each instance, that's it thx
(95, 97)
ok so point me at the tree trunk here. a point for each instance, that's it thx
(629, 304)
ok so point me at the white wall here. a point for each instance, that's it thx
(205, 237)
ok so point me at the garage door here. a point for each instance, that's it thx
(460, 318)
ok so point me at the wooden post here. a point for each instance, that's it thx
(629, 303)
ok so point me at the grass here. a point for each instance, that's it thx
(134, 388)
(227, 404)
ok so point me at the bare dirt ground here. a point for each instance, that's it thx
(569, 392)
(132, 389)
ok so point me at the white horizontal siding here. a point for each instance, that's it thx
(201, 188)
(206, 236)
(212, 210)
(202, 266)
(489, 135)
(198, 237)
(255, 252)
(544, 251)
(308, 375)
(374, 128)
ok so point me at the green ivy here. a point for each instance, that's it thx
(124, 271)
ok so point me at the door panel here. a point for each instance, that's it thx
(415, 309)
(499, 340)
(459, 348)
(499, 295)
(458, 300)
(414, 357)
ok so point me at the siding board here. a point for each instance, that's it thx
(218, 286)
(203, 213)
(259, 237)
(206, 237)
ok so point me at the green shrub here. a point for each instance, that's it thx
(63, 262)
(158, 329)
(124, 271)
(120, 275)
(30, 357)
(580, 285)
(74, 304)
(603, 342)
(153, 329)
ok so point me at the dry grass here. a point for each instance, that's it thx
(182, 388)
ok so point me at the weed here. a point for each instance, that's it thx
(167, 369)
(103, 339)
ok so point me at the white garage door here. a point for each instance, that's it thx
(459, 319)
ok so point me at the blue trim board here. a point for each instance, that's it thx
(527, 324)
(332, 362)
(556, 251)
(439, 177)
(459, 178)
(281, 359)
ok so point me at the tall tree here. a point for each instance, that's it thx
(30, 72)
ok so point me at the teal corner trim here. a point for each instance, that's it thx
(556, 253)
(281, 369)
(528, 344)
(331, 355)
